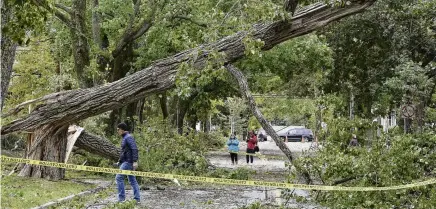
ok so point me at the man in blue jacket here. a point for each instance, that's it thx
(128, 161)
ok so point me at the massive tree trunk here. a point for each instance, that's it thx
(8, 47)
(81, 53)
(48, 143)
(97, 145)
(70, 106)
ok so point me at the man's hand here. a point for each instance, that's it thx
(135, 165)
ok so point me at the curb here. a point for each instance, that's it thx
(67, 198)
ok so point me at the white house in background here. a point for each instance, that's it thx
(387, 122)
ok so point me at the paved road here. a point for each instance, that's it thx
(223, 196)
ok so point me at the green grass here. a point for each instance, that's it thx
(20, 192)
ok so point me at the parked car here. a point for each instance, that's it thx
(295, 135)
(280, 130)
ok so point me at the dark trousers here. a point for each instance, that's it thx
(234, 157)
(250, 157)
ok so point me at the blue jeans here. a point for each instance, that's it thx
(132, 179)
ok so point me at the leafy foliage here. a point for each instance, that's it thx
(379, 161)
(370, 48)
(25, 17)
(380, 56)
(163, 150)
(294, 67)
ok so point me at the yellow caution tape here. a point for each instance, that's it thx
(260, 155)
(214, 180)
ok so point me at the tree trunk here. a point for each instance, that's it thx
(80, 43)
(208, 123)
(130, 114)
(98, 145)
(113, 121)
(183, 108)
(140, 109)
(174, 109)
(193, 120)
(119, 68)
(54, 148)
(164, 105)
(8, 48)
(245, 91)
(49, 143)
(100, 38)
(70, 106)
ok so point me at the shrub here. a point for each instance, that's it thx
(388, 160)
(164, 150)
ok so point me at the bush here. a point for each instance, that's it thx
(164, 150)
(388, 160)
(161, 149)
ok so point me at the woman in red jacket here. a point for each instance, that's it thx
(251, 144)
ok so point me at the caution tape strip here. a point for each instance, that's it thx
(259, 155)
(214, 180)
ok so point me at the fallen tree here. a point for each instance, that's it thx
(56, 111)
(98, 145)
(245, 92)
(69, 106)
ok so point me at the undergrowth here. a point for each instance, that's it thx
(388, 160)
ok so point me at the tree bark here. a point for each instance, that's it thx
(130, 116)
(208, 123)
(163, 105)
(183, 108)
(96, 28)
(8, 48)
(49, 143)
(290, 6)
(80, 44)
(140, 109)
(70, 106)
(98, 145)
(113, 120)
(99, 37)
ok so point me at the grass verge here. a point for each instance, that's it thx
(21, 192)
